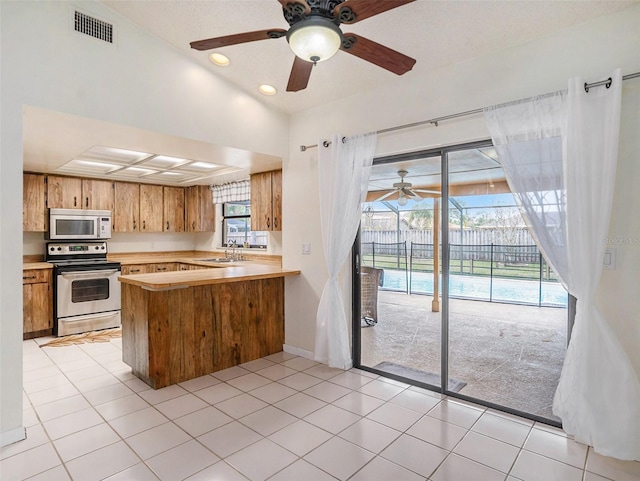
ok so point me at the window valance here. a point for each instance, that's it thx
(235, 191)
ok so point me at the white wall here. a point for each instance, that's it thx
(591, 50)
(139, 82)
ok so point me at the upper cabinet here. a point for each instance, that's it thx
(266, 201)
(64, 192)
(135, 207)
(173, 209)
(200, 211)
(97, 194)
(34, 208)
(151, 208)
(126, 207)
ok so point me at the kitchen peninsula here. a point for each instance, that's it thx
(181, 325)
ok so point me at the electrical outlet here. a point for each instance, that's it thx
(306, 248)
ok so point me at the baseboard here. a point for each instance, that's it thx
(13, 436)
(297, 351)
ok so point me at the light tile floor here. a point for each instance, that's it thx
(280, 418)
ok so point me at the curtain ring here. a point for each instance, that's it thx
(344, 139)
(586, 87)
(326, 143)
(608, 84)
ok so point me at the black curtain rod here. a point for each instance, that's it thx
(436, 120)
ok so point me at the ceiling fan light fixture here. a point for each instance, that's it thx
(402, 199)
(315, 39)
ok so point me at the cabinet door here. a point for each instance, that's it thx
(200, 211)
(151, 208)
(173, 209)
(126, 207)
(97, 194)
(34, 210)
(261, 201)
(64, 192)
(276, 199)
(37, 314)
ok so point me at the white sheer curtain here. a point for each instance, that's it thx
(598, 397)
(560, 153)
(344, 167)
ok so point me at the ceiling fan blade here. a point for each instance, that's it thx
(300, 73)
(353, 11)
(384, 195)
(410, 193)
(307, 8)
(377, 54)
(226, 40)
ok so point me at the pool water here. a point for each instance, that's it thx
(476, 287)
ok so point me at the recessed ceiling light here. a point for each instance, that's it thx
(94, 163)
(140, 169)
(267, 89)
(219, 59)
(203, 165)
(171, 173)
(167, 159)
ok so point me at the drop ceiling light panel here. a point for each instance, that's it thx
(129, 165)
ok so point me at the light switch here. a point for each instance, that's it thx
(609, 259)
(306, 248)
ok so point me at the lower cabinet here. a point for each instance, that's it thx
(191, 267)
(37, 299)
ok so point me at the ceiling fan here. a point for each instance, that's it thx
(314, 36)
(404, 191)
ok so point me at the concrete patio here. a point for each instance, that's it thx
(507, 354)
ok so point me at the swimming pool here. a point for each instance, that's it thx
(475, 287)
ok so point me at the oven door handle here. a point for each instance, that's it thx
(90, 274)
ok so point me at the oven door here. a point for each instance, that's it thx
(82, 290)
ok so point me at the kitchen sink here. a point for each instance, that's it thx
(217, 259)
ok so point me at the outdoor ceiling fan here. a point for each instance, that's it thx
(314, 36)
(404, 191)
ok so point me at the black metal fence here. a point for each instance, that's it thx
(490, 261)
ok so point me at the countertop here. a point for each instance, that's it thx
(219, 274)
(187, 257)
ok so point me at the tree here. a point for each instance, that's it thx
(420, 219)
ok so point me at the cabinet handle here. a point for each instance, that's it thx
(75, 201)
(28, 277)
(161, 269)
(193, 225)
(275, 222)
(268, 222)
(135, 270)
(86, 202)
(134, 223)
(167, 225)
(144, 225)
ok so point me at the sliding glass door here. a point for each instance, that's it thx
(452, 286)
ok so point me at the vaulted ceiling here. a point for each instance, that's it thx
(434, 32)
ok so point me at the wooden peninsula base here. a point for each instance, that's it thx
(177, 333)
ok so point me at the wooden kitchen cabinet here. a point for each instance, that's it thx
(163, 267)
(37, 302)
(64, 192)
(97, 194)
(151, 208)
(199, 210)
(266, 201)
(126, 207)
(173, 209)
(34, 207)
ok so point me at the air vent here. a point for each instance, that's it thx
(93, 27)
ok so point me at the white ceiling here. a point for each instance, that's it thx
(434, 32)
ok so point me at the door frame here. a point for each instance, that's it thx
(443, 152)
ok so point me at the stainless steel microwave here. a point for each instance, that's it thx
(79, 224)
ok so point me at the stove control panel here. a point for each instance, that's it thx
(78, 250)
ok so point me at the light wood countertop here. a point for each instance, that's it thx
(220, 274)
(36, 265)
